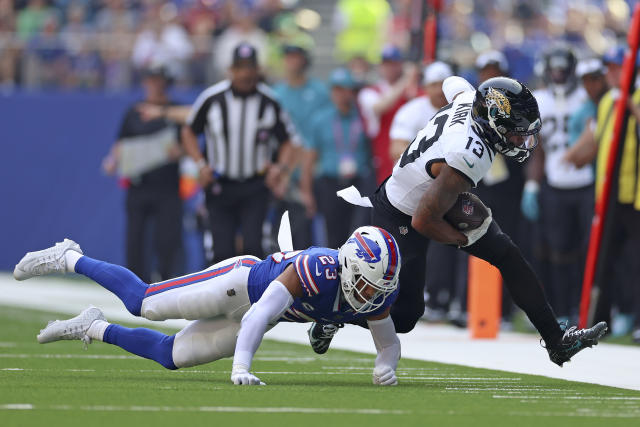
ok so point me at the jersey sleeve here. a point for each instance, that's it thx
(469, 156)
(312, 270)
(305, 265)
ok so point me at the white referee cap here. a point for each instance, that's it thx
(589, 66)
(436, 72)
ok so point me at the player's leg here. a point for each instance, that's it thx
(201, 341)
(220, 290)
(409, 305)
(497, 248)
(66, 257)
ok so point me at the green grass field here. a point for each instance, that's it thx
(60, 384)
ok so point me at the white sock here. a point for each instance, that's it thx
(97, 328)
(70, 259)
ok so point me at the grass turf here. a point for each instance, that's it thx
(60, 384)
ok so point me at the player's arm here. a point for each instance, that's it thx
(278, 297)
(439, 197)
(387, 345)
(584, 150)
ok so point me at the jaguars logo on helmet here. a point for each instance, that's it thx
(506, 115)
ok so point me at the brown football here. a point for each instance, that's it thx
(467, 213)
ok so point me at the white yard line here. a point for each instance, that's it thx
(241, 409)
(606, 364)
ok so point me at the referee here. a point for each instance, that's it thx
(245, 129)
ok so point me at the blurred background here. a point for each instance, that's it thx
(71, 71)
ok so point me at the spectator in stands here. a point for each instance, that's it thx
(116, 24)
(379, 103)
(243, 28)
(31, 19)
(361, 28)
(338, 157)
(163, 41)
(79, 44)
(302, 97)
(146, 154)
(47, 63)
(8, 51)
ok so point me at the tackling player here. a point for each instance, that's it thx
(240, 297)
(448, 157)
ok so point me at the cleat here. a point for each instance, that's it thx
(575, 340)
(320, 336)
(72, 329)
(46, 261)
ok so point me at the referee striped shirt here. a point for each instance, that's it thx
(242, 132)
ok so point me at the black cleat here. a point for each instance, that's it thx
(320, 335)
(575, 340)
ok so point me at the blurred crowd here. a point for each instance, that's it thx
(353, 126)
(105, 43)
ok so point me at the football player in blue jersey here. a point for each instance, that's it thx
(234, 302)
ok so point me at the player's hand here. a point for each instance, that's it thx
(529, 202)
(475, 234)
(241, 376)
(384, 375)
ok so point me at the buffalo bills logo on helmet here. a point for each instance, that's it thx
(368, 250)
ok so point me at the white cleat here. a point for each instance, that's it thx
(71, 329)
(46, 261)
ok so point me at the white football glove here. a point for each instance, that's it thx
(241, 376)
(384, 375)
(475, 234)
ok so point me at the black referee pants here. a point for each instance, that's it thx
(494, 247)
(238, 206)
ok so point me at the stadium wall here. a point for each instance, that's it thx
(52, 185)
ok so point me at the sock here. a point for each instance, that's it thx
(70, 260)
(143, 342)
(97, 329)
(122, 282)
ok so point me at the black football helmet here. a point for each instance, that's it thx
(506, 115)
(559, 67)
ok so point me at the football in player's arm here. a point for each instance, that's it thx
(240, 297)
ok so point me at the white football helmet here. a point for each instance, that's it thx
(369, 268)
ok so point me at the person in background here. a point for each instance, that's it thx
(337, 155)
(415, 114)
(558, 194)
(302, 97)
(379, 103)
(621, 289)
(244, 126)
(146, 155)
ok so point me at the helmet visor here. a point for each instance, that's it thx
(523, 141)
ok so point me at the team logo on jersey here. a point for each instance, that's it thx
(497, 104)
(367, 250)
(403, 230)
